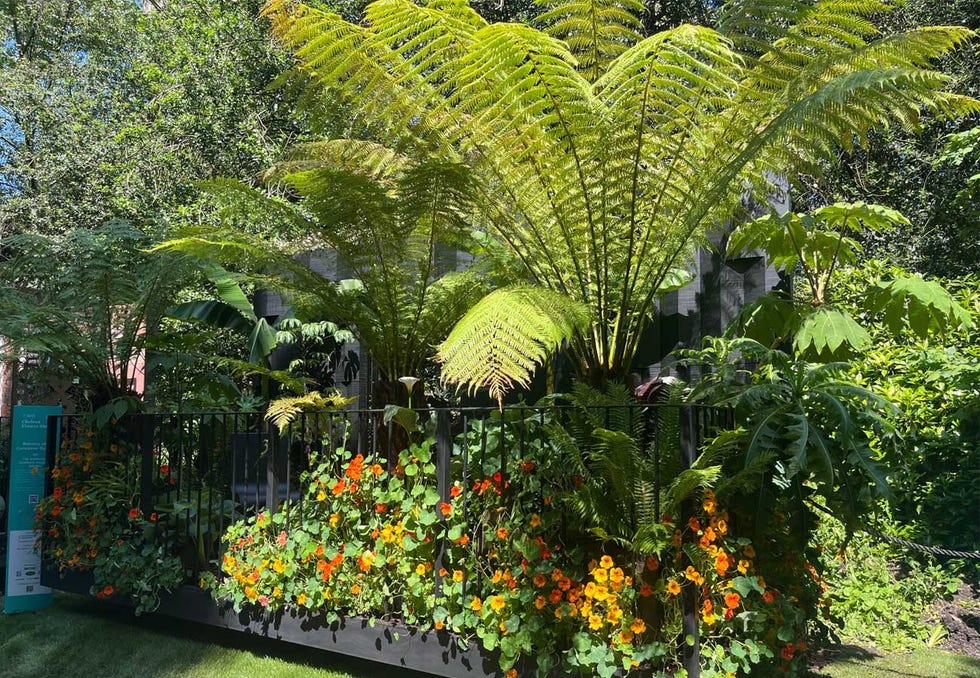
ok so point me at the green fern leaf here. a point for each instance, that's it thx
(505, 336)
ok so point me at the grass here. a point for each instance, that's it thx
(77, 637)
(852, 661)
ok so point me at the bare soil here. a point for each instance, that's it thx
(961, 617)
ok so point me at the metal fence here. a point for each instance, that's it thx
(197, 473)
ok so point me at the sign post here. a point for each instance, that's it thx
(27, 468)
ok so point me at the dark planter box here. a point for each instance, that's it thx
(70, 581)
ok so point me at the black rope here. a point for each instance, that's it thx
(915, 546)
(935, 550)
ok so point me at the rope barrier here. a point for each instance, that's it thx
(915, 546)
(935, 550)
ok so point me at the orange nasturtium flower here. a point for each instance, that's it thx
(673, 588)
(502, 533)
(638, 626)
(606, 562)
(732, 600)
(476, 605)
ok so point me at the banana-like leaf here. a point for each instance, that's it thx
(261, 342)
(216, 314)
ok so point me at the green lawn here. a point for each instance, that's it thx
(851, 661)
(77, 637)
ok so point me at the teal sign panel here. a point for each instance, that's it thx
(29, 439)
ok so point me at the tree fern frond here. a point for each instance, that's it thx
(284, 411)
(597, 31)
(501, 340)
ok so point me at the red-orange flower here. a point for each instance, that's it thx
(769, 596)
(355, 468)
(134, 513)
(732, 600)
(455, 491)
(788, 651)
(653, 563)
(445, 509)
(694, 524)
(339, 487)
(502, 533)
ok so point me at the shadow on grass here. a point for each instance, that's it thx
(854, 661)
(81, 637)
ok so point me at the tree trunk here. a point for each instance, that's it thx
(8, 378)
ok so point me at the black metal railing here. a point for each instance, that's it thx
(197, 473)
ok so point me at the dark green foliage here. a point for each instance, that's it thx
(84, 301)
(807, 433)
(935, 382)
(113, 113)
(919, 175)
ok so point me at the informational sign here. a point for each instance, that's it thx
(29, 436)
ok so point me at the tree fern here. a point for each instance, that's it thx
(385, 215)
(599, 158)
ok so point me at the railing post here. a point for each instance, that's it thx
(444, 450)
(51, 452)
(271, 474)
(147, 470)
(690, 641)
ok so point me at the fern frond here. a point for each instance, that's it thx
(597, 31)
(284, 411)
(505, 336)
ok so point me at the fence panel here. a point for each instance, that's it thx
(193, 474)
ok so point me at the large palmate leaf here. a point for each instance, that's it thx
(505, 336)
(829, 333)
(923, 306)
